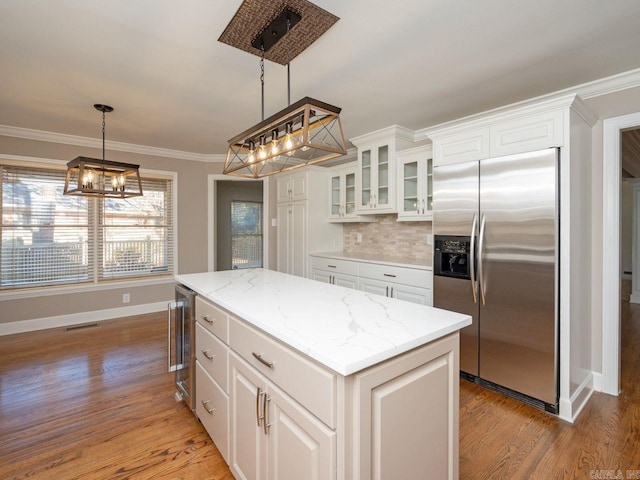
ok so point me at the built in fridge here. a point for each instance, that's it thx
(181, 336)
(496, 236)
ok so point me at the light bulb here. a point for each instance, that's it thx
(262, 149)
(288, 138)
(274, 141)
(251, 157)
(114, 183)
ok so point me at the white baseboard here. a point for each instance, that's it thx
(22, 326)
(597, 381)
(570, 408)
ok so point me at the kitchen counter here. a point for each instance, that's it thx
(343, 329)
(379, 259)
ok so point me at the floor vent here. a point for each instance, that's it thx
(78, 327)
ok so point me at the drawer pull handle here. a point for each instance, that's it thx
(332, 266)
(265, 409)
(209, 410)
(262, 360)
(389, 275)
(207, 319)
(207, 353)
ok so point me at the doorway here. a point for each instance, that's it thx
(237, 214)
(611, 238)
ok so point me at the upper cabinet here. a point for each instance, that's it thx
(342, 195)
(415, 184)
(292, 187)
(376, 173)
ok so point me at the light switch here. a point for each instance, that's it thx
(429, 239)
(359, 237)
(274, 222)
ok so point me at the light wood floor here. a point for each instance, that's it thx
(97, 403)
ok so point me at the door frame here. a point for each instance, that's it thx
(211, 217)
(611, 177)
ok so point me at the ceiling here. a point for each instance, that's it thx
(415, 63)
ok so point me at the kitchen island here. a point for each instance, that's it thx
(299, 379)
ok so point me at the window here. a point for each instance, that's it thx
(246, 235)
(51, 239)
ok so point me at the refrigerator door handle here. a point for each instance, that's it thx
(172, 307)
(480, 248)
(474, 283)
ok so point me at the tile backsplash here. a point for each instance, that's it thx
(389, 238)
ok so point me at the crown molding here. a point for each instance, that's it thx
(53, 137)
(585, 91)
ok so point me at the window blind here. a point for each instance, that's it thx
(48, 238)
(44, 235)
(135, 235)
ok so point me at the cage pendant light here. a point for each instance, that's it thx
(93, 177)
(306, 132)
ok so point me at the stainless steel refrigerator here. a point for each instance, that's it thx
(496, 236)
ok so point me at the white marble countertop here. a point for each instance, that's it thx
(380, 259)
(345, 330)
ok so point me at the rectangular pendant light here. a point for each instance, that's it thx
(92, 177)
(307, 132)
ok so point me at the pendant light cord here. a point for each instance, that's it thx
(104, 126)
(262, 77)
(288, 65)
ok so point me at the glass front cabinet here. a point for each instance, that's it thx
(342, 185)
(415, 184)
(376, 175)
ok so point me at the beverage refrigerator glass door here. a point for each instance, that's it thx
(181, 353)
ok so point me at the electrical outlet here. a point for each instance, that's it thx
(359, 237)
(126, 298)
(429, 239)
(274, 222)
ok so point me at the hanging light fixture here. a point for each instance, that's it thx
(92, 177)
(306, 132)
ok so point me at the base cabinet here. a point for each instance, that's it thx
(288, 417)
(272, 436)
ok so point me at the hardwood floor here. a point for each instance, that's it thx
(501, 438)
(97, 403)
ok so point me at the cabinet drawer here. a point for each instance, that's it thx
(407, 276)
(311, 385)
(212, 318)
(212, 355)
(212, 408)
(334, 265)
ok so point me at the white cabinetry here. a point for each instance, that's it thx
(404, 283)
(285, 416)
(376, 174)
(335, 272)
(342, 195)
(272, 436)
(409, 284)
(302, 226)
(212, 399)
(415, 184)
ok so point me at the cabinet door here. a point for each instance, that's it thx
(336, 191)
(298, 239)
(410, 194)
(283, 236)
(370, 285)
(349, 202)
(299, 445)
(283, 189)
(321, 276)
(298, 186)
(248, 449)
(411, 294)
(384, 178)
(365, 165)
(348, 281)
